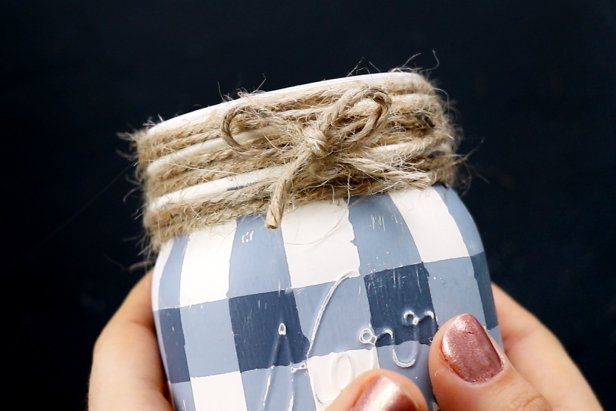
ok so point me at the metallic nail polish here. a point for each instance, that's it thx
(383, 394)
(469, 351)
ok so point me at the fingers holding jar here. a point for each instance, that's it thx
(469, 371)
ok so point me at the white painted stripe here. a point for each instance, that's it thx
(431, 225)
(330, 374)
(318, 240)
(205, 271)
(159, 267)
(219, 392)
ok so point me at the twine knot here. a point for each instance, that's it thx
(321, 146)
(316, 141)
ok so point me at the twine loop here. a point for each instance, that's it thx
(318, 147)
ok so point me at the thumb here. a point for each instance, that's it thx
(381, 390)
(470, 372)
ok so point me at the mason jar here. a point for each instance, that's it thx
(251, 317)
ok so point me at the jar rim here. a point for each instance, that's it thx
(198, 116)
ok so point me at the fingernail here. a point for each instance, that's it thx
(469, 351)
(383, 394)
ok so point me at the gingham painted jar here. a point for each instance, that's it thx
(254, 318)
(251, 318)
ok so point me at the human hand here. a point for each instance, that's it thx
(535, 373)
(470, 372)
(127, 372)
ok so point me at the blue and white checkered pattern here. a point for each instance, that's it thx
(250, 318)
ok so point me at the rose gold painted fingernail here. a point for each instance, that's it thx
(469, 351)
(383, 394)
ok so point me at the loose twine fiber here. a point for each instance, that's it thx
(265, 152)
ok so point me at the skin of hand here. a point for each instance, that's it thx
(468, 370)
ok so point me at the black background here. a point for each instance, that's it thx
(532, 83)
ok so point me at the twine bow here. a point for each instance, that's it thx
(319, 151)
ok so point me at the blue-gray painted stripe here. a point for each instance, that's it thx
(397, 297)
(256, 322)
(183, 398)
(463, 219)
(169, 290)
(495, 333)
(173, 343)
(210, 347)
(382, 237)
(454, 289)
(418, 373)
(482, 274)
(346, 314)
(258, 261)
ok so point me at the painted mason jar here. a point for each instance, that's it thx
(255, 312)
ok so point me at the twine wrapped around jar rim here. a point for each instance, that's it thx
(265, 152)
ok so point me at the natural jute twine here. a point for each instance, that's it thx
(266, 152)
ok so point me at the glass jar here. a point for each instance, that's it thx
(254, 318)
